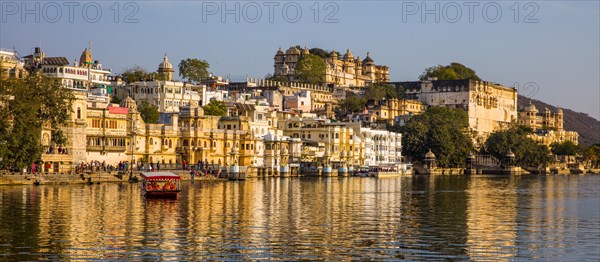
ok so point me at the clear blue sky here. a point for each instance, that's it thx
(554, 44)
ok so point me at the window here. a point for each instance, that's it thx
(78, 113)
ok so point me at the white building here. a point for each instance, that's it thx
(381, 146)
(300, 101)
(489, 106)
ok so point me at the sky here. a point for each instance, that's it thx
(549, 50)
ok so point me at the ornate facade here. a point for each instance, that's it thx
(548, 126)
(346, 71)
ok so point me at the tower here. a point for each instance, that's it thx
(166, 69)
(559, 119)
(369, 66)
(86, 58)
(279, 62)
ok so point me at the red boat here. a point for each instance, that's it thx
(160, 184)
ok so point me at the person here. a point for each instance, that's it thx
(157, 166)
(192, 174)
(184, 164)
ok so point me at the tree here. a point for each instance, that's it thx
(516, 139)
(25, 105)
(566, 148)
(311, 69)
(454, 71)
(135, 73)
(193, 69)
(149, 112)
(352, 103)
(379, 91)
(215, 108)
(592, 155)
(443, 130)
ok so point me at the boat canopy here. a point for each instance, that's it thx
(159, 175)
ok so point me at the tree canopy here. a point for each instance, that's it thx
(566, 148)
(149, 112)
(352, 103)
(453, 71)
(215, 108)
(25, 105)
(527, 151)
(193, 69)
(138, 73)
(311, 69)
(443, 130)
(379, 91)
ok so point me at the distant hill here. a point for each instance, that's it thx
(587, 126)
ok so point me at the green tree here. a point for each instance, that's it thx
(193, 69)
(379, 91)
(311, 69)
(454, 71)
(443, 130)
(352, 103)
(25, 105)
(592, 155)
(215, 108)
(516, 139)
(149, 112)
(566, 148)
(135, 73)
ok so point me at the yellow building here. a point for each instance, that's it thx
(11, 65)
(388, 110)
(345, 71)
(547, 126)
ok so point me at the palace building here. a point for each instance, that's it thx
(345, 71)
(547, 126)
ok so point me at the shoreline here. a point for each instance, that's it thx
(9, 179)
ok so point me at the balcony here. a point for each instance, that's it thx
(106, 148)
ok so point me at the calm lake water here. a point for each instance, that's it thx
(521, 218)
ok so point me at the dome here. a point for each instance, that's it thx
(510, 154)
(292, 51)
(305, 51)
(430, 154)
(348, 55)
(130, 104)
(165, 64)
(368, 59)
(279, 52)
(531, 108)
(334, 54)
(86, 58)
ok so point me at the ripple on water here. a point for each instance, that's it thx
(445, 218)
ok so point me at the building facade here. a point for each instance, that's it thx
(345, 71)
(547, 126)
(489, 106)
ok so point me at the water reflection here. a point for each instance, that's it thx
(422, 218)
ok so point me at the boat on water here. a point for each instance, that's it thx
(362, 171)
(390, 170)
(160, 184)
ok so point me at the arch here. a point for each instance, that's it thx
(185, 142)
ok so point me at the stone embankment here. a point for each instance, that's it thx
(9, 178)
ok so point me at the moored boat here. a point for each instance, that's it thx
(160, 184)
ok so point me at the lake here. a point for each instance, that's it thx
(520, 218)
